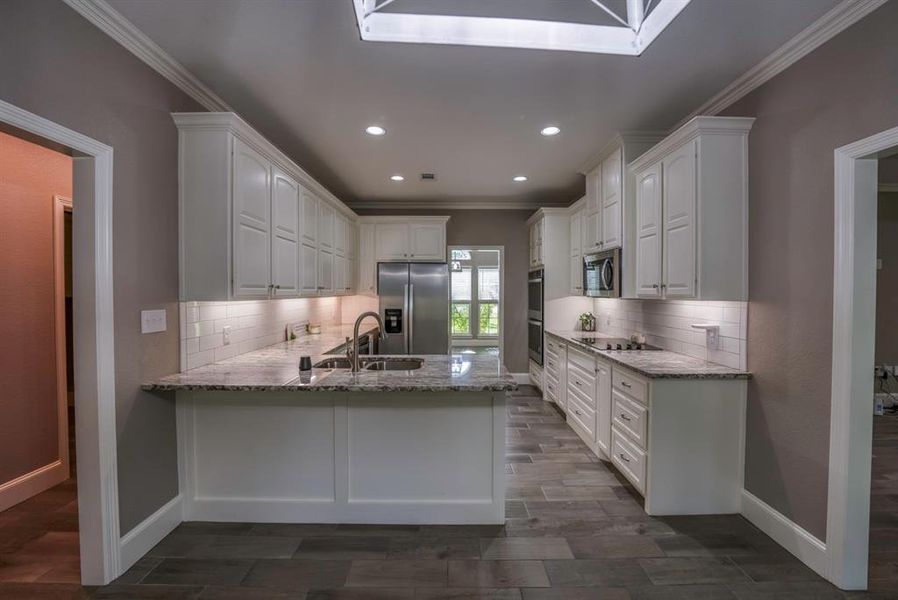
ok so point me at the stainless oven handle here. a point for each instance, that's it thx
(535, 322)
(607, 282)
(537, 280)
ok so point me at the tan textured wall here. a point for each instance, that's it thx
(842, 92)
(30, 175)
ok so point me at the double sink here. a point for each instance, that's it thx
(373, 363)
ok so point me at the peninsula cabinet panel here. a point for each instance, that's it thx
(692, 212)
(250, 224)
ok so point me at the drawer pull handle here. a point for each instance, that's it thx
(577, 383)
(623, 458)
(578, 412)
(625, 417)
(625, 384)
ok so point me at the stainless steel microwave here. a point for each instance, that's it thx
(602, 274)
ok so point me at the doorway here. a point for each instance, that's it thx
(93, 351)
(882, 567)
(38, 489)
(848, 533)
(476, 309)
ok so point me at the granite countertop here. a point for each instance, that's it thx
(654, 364)
(276, 368)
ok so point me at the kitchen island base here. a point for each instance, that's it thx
(352, 457)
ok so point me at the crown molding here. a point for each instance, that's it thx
(112, 23)
(695, 127)
(452, 205)
(837, 20)
(620, 140)
(233, 123)
(888, 188)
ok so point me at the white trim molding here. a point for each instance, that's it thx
(838, 19)
(150, 531)
(115, 25)
(854, 330)
(460, 204)
(98, 515)
(810, 550)
(25, 486)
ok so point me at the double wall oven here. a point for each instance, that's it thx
(535, 316)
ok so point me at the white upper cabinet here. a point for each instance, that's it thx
(427, 241)
(691, 212)
(678, 214)
(309, 218)
(285, 234)
(612, 201)
(252, 222)
(326, 226)
(576, 224)
(308, 270)
(391, 242)
(340, 226)
(367, 264)
(648, 232)
(550, 250)
(413, 239)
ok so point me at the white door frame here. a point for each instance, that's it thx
(501, 249)
(61, 205)
(854, 327)
(94, 355)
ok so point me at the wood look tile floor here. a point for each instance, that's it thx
(575, 531)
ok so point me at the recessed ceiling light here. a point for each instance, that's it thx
(550, 130)
(375, 130)
(519, 178)
(397, 178)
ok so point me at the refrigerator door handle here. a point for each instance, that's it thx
(411, 317)
(405, 318)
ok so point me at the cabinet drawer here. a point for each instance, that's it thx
(536, 375)
(581, 382)
(582, 360)
(553, 345)
(629, 459)
(551, 388)
(583, 416)
(631, 385)
(552, 364)
(630, 417)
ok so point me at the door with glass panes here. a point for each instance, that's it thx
(476, 293)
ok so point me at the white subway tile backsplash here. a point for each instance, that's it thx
(254, 325)
(668, 324)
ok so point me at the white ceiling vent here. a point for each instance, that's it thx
(629, 33)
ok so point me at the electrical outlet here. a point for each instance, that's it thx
(226, 335)
(152, 321)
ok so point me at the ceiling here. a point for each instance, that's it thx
(298, 72)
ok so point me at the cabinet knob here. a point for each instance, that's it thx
(623, 458)
(654, 286)
(413, 256)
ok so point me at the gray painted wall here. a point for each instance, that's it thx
(842, 92)
(56, 64)
(494, 228)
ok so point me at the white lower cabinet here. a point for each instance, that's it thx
(536, 375)
(678, 441)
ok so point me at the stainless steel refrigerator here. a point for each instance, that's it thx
(414, 305)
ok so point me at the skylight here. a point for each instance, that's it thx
(629, 34)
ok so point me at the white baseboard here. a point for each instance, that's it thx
(24, 487)
(150, 532)
(807, 548)
(521, 378)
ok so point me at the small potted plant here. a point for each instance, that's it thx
(587, 322)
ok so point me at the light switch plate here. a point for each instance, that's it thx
(152, 321)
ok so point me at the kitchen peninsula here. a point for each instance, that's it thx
(259, 441)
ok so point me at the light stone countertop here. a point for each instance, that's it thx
(276, 368)
(654, 364)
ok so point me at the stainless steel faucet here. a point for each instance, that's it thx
(354, 356)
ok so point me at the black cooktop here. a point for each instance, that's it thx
(605, 343)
